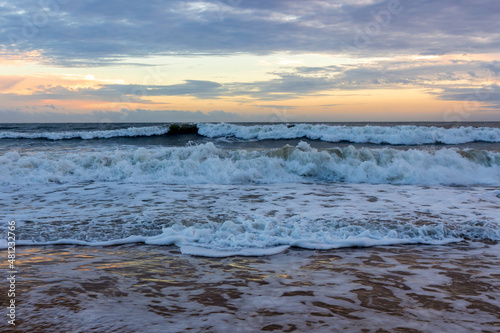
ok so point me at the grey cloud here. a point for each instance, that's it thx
(196, 88)
(122, 93)
(312, 70)
(98, 33)
(20, 116)
(481, 97)
(287, 86)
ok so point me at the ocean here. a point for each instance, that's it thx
(247, 226)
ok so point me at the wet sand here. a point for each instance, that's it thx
(132, 288)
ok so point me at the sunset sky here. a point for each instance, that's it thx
(249, 60)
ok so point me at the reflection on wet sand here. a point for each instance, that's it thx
(130, 288)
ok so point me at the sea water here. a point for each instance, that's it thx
(251, 189)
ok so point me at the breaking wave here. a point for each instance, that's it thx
(89, 135)
(207, 164)
(394, 135)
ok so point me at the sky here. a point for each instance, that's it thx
(249, 60)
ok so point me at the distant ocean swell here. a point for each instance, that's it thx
(89, 135)
(207, 164)
(395, 135)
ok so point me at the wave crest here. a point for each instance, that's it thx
(394, 135)
(88, 135)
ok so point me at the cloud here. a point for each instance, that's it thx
(481, 98)
(120, 92)
(306, 81)
(99, 33)
(132, 116)
(442, 78)
(196, 88)
(278, 107)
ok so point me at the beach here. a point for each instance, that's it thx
(129, 288)
(251, 227)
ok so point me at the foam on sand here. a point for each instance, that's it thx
(249, 220)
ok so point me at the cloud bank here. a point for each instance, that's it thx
(134, 116)
(90, 32)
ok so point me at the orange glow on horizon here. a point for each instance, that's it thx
(75, 90)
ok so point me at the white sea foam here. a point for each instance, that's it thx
(225, 220)
(89, 135)
(396, 135)
(207, 164)
(264, 236)
(208, 241)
